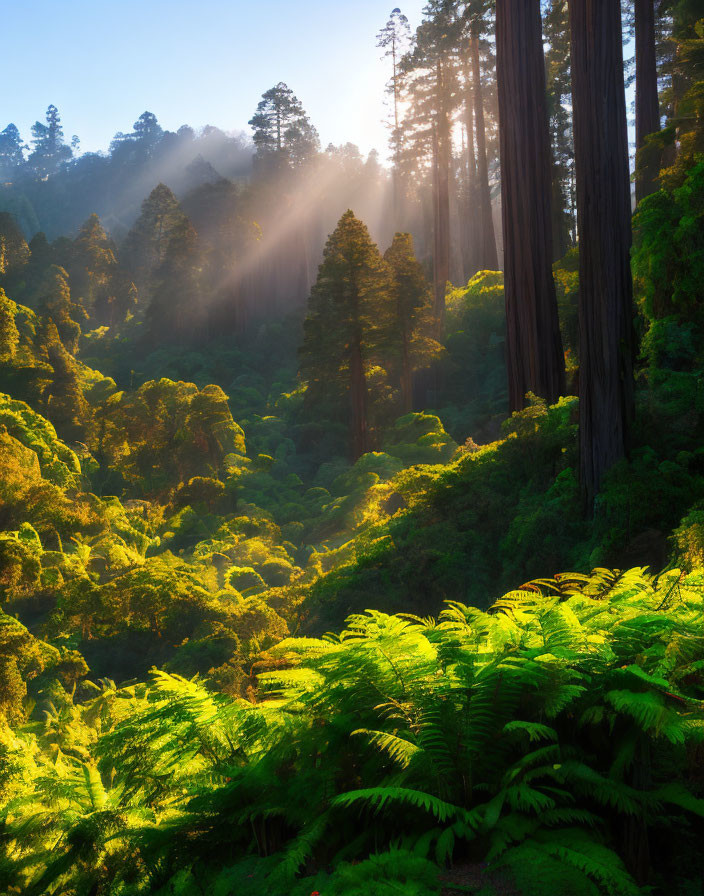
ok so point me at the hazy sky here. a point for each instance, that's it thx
(103, 62)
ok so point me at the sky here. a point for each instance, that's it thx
(196, 62)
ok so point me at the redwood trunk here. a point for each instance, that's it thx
(604, 217)
(534, 346)
(647, 103)
(488, 258)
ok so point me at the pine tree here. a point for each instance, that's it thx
(283, 134)
(604, 211)
(347, 327)
(534, 346)
(413, 313)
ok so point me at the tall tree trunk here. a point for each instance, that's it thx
(441, 256)
(489, 259)
(604, 221)
(534, 346)
(358, 398)
(647, 103)
(471, 215)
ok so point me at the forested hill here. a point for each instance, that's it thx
(450, 409)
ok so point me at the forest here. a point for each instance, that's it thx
(352, 505)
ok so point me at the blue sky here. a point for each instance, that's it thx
(197, 62)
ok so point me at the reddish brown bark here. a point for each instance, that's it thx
(535, 357)
(647, 102)
(488, 258)
(604, 222)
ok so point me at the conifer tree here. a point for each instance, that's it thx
(347, 327)
(283, 133)
(14, 251)
(534, 346)
(647, 102)
(65, 403)
(96, 279)
(604, 211)
(11, 153)
(394, 38)
(175, 311)
(556, 33)
(145, 246)
(49, 147)
(55, 301)
(413, 313)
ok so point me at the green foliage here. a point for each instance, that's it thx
(531, 734)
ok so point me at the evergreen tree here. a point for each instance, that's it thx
(175, 312)
(431, 84)
(14, 251)
(96, 279)
(394, 38)
(283, 133)
(413, 313)
(604, 210)
(49, 150)
(347, 327)
(534, 346)
(556, 33)
(54, 300)
(145, 246)
(647, 102)
(64, 401)
(11, 153)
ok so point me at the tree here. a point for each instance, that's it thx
(175, 311)
(145, 246)
(604, 214)
(394, 38)
(475, 12)
(96, 278)
(349, 312)
(49, 147)
(534, 346)
(11, 153)
(413, 313)
(65, 403)
(432, 86)
(55, 302)
(283, 134)
(14, 251)
(556, 32)
(647, 103)
(9, 334)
